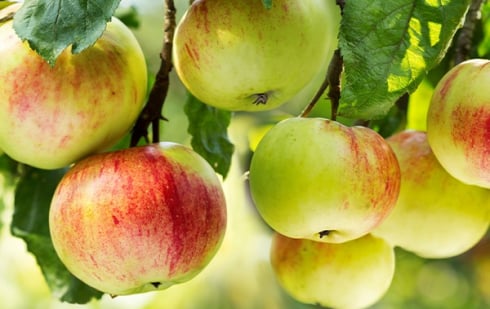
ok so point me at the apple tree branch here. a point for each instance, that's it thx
(465, 37)
(331, 81)
(152, 112)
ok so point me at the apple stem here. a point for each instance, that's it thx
(332, 81)
(152, 112)
(465, 37)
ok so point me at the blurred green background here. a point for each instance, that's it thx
(240, 275)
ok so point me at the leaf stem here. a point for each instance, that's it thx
(152, 112)
(465, 37)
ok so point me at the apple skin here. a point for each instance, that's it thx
(353, 274)
(317, 179)
(458, 122)
(51, 117)
(139, 219)
(237, 55)
(436, 216)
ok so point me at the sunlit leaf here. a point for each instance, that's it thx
(50, 26)
(388, 47)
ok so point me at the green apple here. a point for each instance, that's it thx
(458, 122)
(350, 275)
(139, 219)
(436, 216)
(238, 55)
(51, 117)
(315, 178)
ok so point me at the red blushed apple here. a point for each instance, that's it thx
(458, 122)
(139, 219)
(51, 117)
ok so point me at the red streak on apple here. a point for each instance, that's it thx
(202, 11)
(471, 130)
(137, 216)
(449, 81)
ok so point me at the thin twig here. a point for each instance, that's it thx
(152, 112)
(7, 17)
(332, 81)
(334, 73)
(465, 37)
(317, 97)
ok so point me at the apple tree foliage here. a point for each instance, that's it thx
(388, 48)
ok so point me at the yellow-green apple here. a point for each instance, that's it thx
(315, 178)
(138, 219)
(351, 275)
(458, 122)
(51, 117)
(436, 216)
(238, 55)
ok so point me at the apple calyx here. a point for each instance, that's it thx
(324, 233)
(261, 98)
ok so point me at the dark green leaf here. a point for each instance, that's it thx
(208, 128)
(8, 173)
(484, 44)
(388, 47)
(267, 3)
(31, 223)
(129, 16)
(50, 26)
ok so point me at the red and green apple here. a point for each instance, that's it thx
(354, 274)
(238, 55)
(458, 122)
(51, 117)
(139, 219)
(436, 215)
(315, 178)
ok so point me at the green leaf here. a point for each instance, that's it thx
(8, 173)
(50, 26)
(31, 223)
(129, 16)
(388, 47)
(208, 128)
(267, 3)
(484, 44)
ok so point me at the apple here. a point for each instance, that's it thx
(237, 55)
(51, 117)
(353, 274)
(139, 219)
(317, 179)
(458, 122)
(436, 216)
